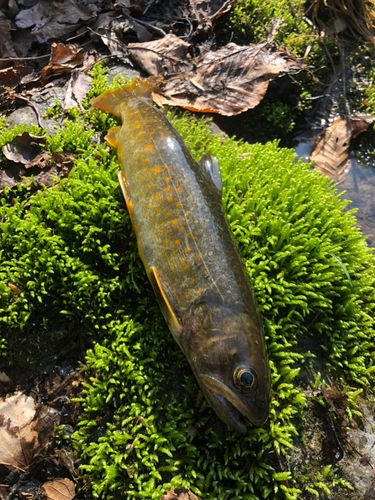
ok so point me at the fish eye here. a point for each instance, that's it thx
(243, 377)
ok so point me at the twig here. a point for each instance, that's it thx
(23, 58)
(225, 4)
(151, 26)
(18, 96)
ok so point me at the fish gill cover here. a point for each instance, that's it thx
(72, 254)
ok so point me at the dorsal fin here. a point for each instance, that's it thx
(109, 100)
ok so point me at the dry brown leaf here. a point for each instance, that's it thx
(10, 78)
(166, 56)
(24, 148)
(209, 9)
(179, 494)
(60, 489)
(228, 81)
(38, 14)
(18, 438)
(64, 57)
(331, 152)
(6, 46)
(14, 288)
(78, 87)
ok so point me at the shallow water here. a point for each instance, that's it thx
(358, 186)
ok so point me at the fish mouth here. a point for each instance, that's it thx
(229, 405)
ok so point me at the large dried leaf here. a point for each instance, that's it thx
(39, 14)
(228, 81)
(331, 151)
(166, 56)
(64, 57)
(179, 494)
(60, 489)
(6, 45)
(20, 441)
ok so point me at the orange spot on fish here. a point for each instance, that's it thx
(156, 196)
(139, 140)
(171, 263)
(146, 160)
(166, 242)
(141, 176)
(174, 252)
(199, 256)
(167, 179)
(188, 234)
(178, 204)
(168, 214)
(157, 170)
(167, 188)
(187, 250)
(173, 222)
(176, 242)
(148, 147)
(140, 132)
(193, 280)
(178, 189)
(186, 267)
(200, 290)
(158, 210)
(150, 185)
(181, 228)
(137, 126)
(170, 198)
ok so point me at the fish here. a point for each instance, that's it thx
(190, 256)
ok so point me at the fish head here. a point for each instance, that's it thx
(227, 353)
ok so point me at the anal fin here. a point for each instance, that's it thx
(112, 136)
(165, 304)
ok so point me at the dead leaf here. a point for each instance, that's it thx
(365, 460)
(60, 489)
(78, 87)
(206, 11)
(179, 494)
(20, 442)
(65, 18)
(228, 81)
(132, 5)
(39, 14)
(6, 46)
(10, 78)
(6, 383)
(64, 57)
(331, 152)
(166, 56)
(14, 288)
(25, 148)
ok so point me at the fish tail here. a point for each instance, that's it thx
(110, 100)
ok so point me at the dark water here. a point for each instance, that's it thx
(358, 186)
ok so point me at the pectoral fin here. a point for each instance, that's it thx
(112, 136)
(165, 304)
(212, 171)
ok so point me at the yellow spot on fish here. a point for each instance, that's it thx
(193, 280)
(176, 242)
(173, 222)
(158, 210)
(174, 251)
(146, 160)
(166, 242)
(149, 147)
(139, 140)
(137, 126)
(186, 267)
(156, 196)
(167, 188)
(187, 250)
(200, 290)
(168, 214)
(188, 234)
(181, 229)
(167, 179)
(140, 132)
(171, 263)
(178, 189)
(170, 198)
(178, 204)
(150, 185)
(199, 256)
(141, 176)
(157, 170)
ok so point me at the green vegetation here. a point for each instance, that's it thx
(72, 253)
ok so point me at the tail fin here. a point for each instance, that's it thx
(109, 100)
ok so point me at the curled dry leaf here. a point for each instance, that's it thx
(331, 151)
(25, 148)
(228, 81)
(166, 56)
(60, 489)
(64, 57)
(179, 494)
(14, 288)
(20, 442)
(10, 78)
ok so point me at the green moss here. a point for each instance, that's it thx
(72, 253)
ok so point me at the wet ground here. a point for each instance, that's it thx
(358, 186)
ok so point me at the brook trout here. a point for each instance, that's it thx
(190, 256)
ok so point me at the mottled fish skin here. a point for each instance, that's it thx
(191, 258)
